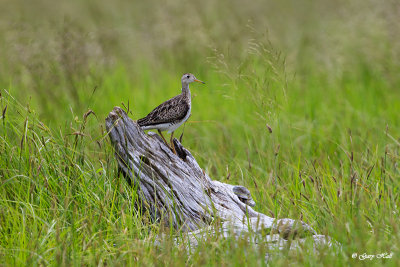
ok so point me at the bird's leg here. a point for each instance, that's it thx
(172, 143)
(163, 137)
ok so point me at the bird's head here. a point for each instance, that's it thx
(189, 78)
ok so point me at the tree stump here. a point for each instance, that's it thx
(177, 192)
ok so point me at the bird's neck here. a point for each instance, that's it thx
(186, 91)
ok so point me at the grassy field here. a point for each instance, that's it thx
(323, 75)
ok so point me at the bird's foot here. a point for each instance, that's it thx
(173, 148)
(171, 141)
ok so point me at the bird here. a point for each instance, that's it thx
(171, 114)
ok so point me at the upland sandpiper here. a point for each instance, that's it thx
(172, 113)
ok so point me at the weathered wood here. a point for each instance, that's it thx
(174, 189)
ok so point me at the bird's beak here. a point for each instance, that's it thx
(199, 81)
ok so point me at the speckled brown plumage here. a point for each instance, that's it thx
(172, 110)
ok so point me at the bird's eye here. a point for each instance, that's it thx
(188, 76)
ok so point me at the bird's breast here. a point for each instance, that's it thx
(188, 113)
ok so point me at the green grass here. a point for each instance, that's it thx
(324, 79)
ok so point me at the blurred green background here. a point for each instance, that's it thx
(58, 52)
(324, 75)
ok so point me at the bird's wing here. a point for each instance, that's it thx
(169, 111)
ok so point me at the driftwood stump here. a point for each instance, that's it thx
(177, 192)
